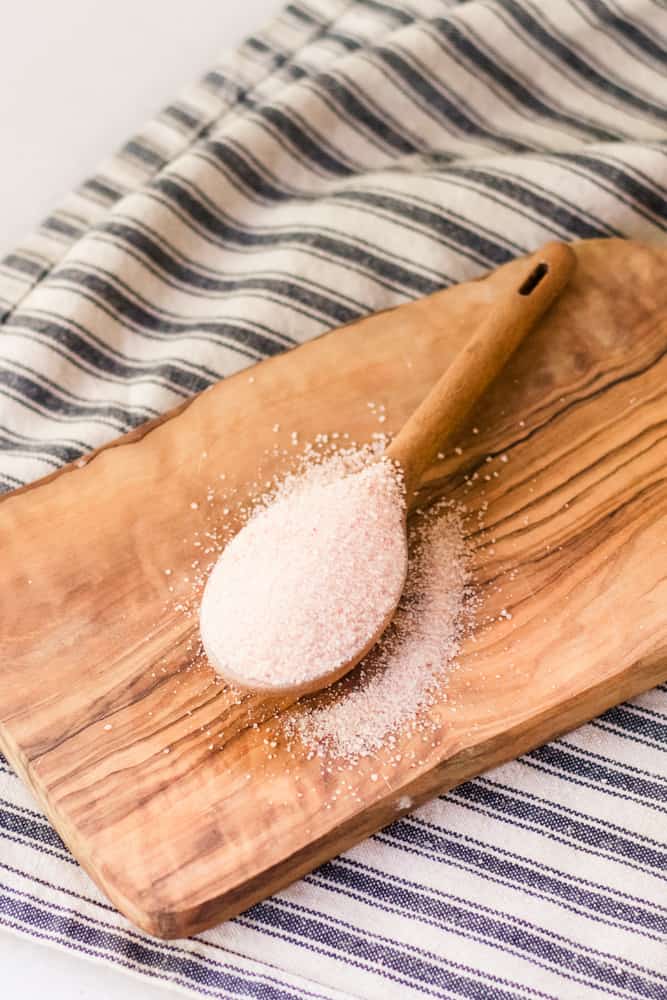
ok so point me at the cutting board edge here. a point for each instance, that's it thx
(438, 779)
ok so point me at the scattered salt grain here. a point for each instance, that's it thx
(194, 505)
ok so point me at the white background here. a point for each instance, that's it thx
(77, 77)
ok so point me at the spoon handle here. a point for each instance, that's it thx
(439, 417)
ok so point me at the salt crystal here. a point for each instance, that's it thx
(194, 505)
(107, 726)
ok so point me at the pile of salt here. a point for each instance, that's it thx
(309, 582)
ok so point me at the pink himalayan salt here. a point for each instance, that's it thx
(308, 583)
(408, 668)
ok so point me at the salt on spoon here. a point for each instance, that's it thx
(307, 587)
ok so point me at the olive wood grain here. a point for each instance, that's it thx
(569, 566)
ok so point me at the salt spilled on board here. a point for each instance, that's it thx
(387, 695)
(309, 582)
(408, 667)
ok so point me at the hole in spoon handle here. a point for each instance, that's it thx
(534, 278)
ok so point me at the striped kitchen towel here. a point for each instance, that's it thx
(353, 155)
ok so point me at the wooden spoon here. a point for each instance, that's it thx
(237, 634)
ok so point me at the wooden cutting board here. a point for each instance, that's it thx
(108, 715)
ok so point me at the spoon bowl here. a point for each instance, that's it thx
(307, 586)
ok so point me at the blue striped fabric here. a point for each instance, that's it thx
(353, 155)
